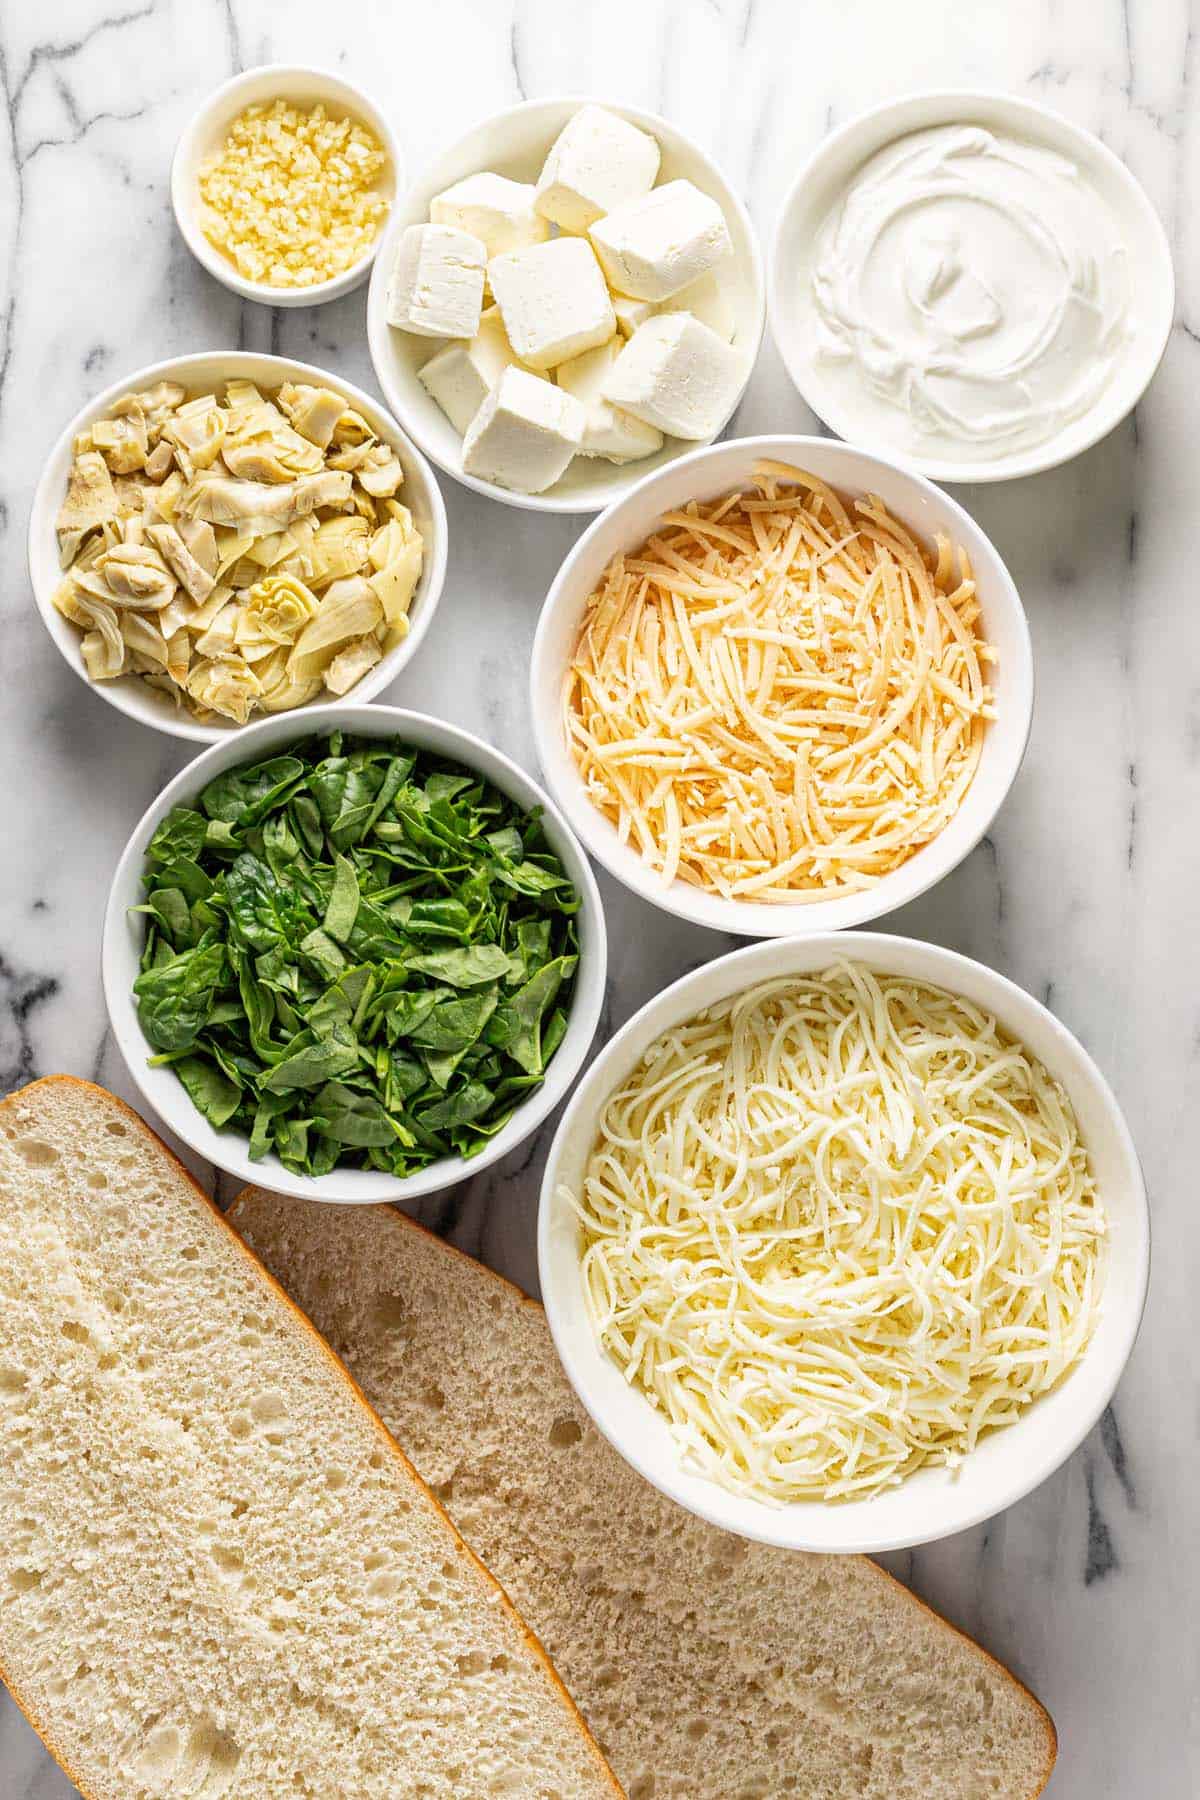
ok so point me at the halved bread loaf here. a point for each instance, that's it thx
(218, 1574)
(708, 1668)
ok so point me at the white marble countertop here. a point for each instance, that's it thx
(1083, 892)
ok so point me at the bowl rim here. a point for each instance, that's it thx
(44, 505)
(429, 183)
(1039, 458)
(370, 1187)
(183, 198)
(782, 1526)
(745, 918)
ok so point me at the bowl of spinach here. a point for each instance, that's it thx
(356, 962)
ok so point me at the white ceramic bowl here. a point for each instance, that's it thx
(129, 693)
(124, 936)
(820, 185)
(702, 476)
(515, 144)
(206, 134)
(934, 1501)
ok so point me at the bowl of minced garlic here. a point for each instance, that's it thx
(282, 184)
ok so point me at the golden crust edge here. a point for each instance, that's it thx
(212, 1212)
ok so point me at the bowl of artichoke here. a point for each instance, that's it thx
(228, 535)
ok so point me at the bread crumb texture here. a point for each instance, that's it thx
(217, 1576)
(708, 1667)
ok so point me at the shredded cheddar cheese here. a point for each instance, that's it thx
(291, 198)
(837, 1227)
(776, 700)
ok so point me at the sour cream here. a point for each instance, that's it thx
(971, 296)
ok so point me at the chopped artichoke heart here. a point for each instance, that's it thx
(279, 456)
(229, 688)
(161, 399)
(275, 611)
(281, 691)
(201, 541)
(197, 432)
(221, 635)
(177, 616)
(166, 497)
(352, 428)
(103, 645)
(91, 501)
(287, 546)
(314, 412)
(191, 576)
(381, 474)
(98, 658)
(136, 576)
(145, 638)
(179, 656)
(349, 609)
(340, 547)
(202, 616)
(389, 541)
(350, 664)
(396, 584)
(159, 461)
(122, 441)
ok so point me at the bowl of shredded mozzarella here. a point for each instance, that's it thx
(844, 1242)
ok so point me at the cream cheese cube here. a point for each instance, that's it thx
(676, 374)
(462, 375)
(494, 209)
(608, 432)
(524, 434)
(553, 301)
(597, 161)
(707, 301)
(652, 247)
(437, 282)
(630, 313)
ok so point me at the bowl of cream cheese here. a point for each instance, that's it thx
(971, 283)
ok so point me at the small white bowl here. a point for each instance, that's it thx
(129, 693)
(515, 143)
(124, 937)
(206, 134)
(932, 1502)
(703, 476)
(823, 181)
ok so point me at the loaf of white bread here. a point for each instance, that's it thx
(708, 1668)
(219, 1576)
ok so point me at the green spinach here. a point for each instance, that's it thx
(356, 954)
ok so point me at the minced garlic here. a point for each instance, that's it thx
(290, 198)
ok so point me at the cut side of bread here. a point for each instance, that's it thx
(708, 1667)
(219, 1576)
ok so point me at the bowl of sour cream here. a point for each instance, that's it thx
(971, 283)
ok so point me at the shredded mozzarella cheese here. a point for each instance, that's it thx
(776, 701)
(837, 1227)
(291, 199)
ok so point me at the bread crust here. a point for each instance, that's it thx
(487, 1580)
(402, 1219)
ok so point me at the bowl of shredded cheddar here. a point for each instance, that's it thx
(783, 686)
